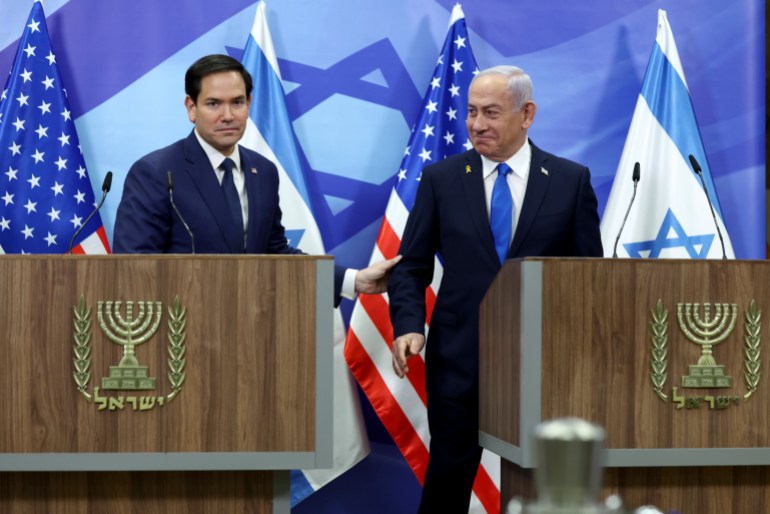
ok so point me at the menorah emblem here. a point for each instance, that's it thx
(129, 331)
(707, 332)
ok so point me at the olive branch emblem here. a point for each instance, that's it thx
(659, 361)
(751, 348)
(82, 334)
(176, 350)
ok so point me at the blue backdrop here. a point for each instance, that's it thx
(355, 74)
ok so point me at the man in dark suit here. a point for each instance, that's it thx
(551, 210)
(227, 194)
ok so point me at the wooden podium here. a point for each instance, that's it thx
(185, 403)
(589, 338)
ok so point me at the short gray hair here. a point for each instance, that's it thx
(519, 83)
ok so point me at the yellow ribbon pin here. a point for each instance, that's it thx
(467, 168)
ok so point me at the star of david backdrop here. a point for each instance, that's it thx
(355, 74)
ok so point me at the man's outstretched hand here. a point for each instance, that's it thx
(374, 279)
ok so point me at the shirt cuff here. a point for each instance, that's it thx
(349, 284)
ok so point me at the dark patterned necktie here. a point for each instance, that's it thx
(231, 194)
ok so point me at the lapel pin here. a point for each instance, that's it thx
(467, 168)
(253, 171)
(544, 171)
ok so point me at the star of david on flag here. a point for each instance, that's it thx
(670, 217)
(45, 191)
(402, 404)
(671, 235)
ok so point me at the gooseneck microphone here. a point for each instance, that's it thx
(170, 184)
(106, 185)
(635, 178)
(697, 169)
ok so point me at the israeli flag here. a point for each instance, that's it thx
(270, 133)
(670, 217)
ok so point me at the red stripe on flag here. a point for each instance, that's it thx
(486, 491)
(387, 240)
(377, 309)
(102, 234)
(430, 302)
(387, 408)
(103, 237)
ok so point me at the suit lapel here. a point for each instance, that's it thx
(253, 191)
(205, 179)
(537, 186)
(473, 182)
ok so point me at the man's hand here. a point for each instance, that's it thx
(404, 347)
(374, 279)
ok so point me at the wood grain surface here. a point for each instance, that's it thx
(221, 492)
(596, 364)
(250, 379)
(250, 366)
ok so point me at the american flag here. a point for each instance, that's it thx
(45, 192)
(401, 404)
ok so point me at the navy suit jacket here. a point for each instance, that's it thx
(146, 222)
(558, 218)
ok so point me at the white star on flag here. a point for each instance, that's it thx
(42, 192)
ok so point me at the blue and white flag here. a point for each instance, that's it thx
(670, 217)
(270, 133)
(45, 192)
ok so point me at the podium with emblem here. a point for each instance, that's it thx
(163, 383)
(666, 355)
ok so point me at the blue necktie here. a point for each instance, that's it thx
(501, 212)
(231, 195)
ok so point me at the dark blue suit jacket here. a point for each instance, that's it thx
(558, 218)
(146, 222)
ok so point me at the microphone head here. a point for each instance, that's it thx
(694, 163)
(107, 184)
(169, 181)
(636, 172)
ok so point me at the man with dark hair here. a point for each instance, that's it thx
(227, 194)
(215, 63)
(504, 198)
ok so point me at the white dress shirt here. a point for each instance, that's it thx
(517, 180)
(216, 158)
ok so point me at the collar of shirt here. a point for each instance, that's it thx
(519, 163)
(517, 180)
(216, 157)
